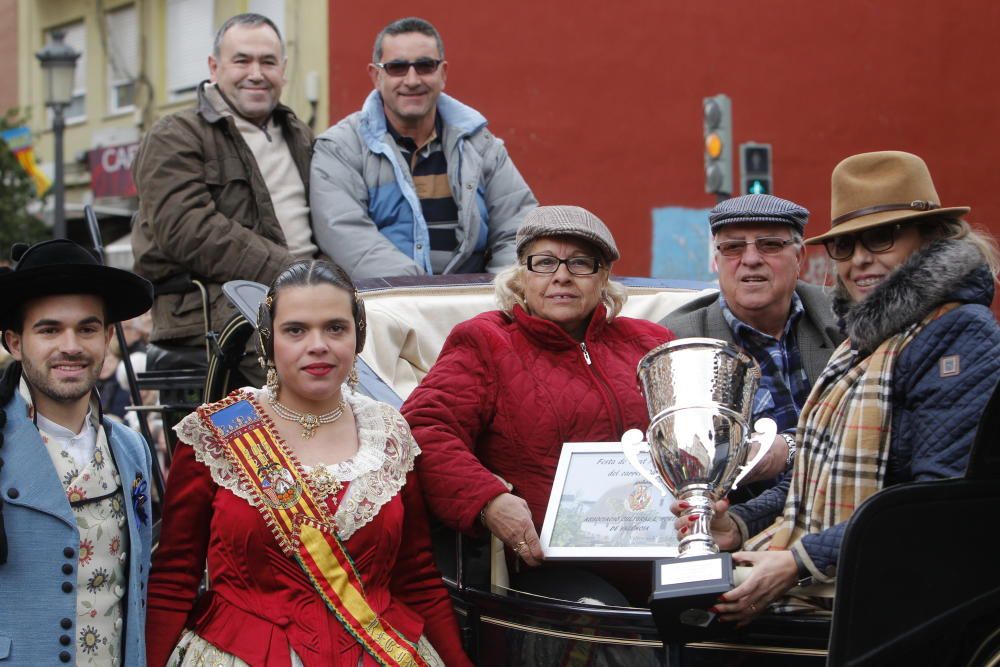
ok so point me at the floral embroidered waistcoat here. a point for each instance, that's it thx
(95, 494)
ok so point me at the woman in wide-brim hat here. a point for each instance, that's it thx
(899, 400)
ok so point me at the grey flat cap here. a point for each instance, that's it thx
(758, 209)
(566, 221)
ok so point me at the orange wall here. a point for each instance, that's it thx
(600, 103)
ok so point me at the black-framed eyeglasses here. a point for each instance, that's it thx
(766, 245)
(578, 266)
(423, 66)
(874, 239)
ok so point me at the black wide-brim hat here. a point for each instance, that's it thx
(63, 267)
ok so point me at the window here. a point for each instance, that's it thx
(123, 58)
(272, 9)
(190, 35)
(75, 37)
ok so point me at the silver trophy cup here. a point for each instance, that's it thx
(699, 392)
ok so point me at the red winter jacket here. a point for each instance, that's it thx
(504, 396)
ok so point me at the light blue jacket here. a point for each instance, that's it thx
(42, 538)
(367, 216)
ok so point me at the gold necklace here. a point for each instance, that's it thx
(308, 420)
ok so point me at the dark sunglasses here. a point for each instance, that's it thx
(424, 66)
(766, 245)
(874, 240)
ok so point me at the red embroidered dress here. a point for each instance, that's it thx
(261, 607)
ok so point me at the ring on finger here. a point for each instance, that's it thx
(753, 607)
(520, 545)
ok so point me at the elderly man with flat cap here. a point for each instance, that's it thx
(74, 502)
(787, 325)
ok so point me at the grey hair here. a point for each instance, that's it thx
(248, 19)
(405, 25)
(508, 290)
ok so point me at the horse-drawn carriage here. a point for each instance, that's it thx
(917, 581)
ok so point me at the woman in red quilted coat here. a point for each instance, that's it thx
(556, 364)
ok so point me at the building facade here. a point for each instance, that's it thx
(142, 59)
(600, 104)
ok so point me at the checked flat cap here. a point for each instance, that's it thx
(758, 209)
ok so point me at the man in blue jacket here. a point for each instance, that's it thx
(74, 498)
(414, 183)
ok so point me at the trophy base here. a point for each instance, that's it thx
(683, 591)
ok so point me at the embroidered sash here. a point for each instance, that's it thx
(303, 526)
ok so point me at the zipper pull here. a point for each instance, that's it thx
(586, 355)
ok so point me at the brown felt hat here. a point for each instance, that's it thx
(874, 189)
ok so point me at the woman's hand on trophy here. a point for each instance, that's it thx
(509, 518)
(771, 575)
(725, 532)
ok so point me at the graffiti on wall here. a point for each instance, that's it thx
(682, 249)
(682, 244)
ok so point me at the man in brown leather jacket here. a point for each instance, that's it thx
(223, 187)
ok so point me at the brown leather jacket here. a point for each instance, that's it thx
(205, 213)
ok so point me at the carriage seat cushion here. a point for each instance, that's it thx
(407, 327)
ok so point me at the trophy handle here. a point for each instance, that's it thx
(765, 432)
(632, 442)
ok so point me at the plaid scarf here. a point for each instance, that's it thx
(845, 431)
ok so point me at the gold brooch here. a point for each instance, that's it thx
(323, 482)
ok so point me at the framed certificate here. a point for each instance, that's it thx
(601, 508)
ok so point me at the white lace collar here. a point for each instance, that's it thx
(374, 474)
(371, 438)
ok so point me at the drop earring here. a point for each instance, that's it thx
(272, 382)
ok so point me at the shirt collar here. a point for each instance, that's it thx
(222, 106)
(91, 421)
(409, 144)
(743, 330)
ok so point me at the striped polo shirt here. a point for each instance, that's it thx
(429, 169)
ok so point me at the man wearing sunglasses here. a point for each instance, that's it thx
(414, 183)
(785, 324)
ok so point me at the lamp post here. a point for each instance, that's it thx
(58, 61)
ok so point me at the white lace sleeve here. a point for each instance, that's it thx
(379, 426)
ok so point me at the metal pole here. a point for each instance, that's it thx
(90, 218)
(59, 214)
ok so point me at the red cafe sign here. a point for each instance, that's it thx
(111, 170)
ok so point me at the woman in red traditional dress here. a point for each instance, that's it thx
(303, 500)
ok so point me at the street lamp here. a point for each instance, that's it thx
(58, 61)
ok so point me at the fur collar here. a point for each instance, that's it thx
(927, 279)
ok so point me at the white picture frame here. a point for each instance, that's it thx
(601, 508)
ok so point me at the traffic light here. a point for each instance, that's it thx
(755, 162)
(718, 120)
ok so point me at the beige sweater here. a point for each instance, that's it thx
(288, 193)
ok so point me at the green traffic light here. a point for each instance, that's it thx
(757, 188)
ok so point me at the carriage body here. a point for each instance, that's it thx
(408, 321)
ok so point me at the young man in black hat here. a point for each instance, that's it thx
(74, 502)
